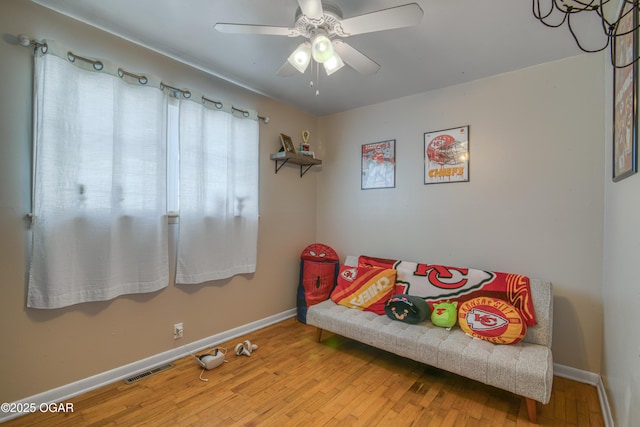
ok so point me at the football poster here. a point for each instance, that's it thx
(379, 165)
(446, 155)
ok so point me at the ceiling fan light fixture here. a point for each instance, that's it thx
(333, 64)
(301, 57)
(321, 48)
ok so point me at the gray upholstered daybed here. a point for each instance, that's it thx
(525, 368)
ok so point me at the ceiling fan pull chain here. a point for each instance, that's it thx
(317, 79)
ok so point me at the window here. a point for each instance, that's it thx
(113, 155)
(99, 214)
(218, 194)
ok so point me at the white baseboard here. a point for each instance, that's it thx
(66, 392)
(588, 378)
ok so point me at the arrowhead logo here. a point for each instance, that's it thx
(349, 274)
(481, 320)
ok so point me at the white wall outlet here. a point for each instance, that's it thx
(178, 331)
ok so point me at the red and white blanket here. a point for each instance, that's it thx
(435, 283)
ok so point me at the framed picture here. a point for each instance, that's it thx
(287, 143)
(625, 95)
(446, 155)
(378, 165)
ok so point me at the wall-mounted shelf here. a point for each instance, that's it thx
(305, 162)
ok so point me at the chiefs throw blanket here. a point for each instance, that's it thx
(435, 283)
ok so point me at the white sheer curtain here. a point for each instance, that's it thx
(218, 194)
(99, 223)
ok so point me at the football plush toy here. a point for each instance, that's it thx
(445, 314)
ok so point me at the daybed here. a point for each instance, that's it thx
(524, 368)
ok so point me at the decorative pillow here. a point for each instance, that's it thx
(444, 314)
(407, 308)
(493, 320)
(364, 288)
(434, 282)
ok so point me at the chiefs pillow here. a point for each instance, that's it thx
(492, 319)
(364, 288)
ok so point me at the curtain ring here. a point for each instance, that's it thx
(186, 94)
(142, 79)
(97, 65)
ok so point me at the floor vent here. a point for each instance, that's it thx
(148, 373)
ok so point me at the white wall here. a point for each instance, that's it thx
(621, 289)
(534, 202)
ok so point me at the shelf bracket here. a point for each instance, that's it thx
(305, 170)
(282, 164)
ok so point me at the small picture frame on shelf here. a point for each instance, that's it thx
(287, 143)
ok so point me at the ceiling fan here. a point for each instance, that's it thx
(322, 24)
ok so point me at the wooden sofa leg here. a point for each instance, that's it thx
(318, 334)
(531, 409)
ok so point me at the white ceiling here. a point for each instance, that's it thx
(457, 41)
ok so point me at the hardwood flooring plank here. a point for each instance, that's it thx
(291, 380)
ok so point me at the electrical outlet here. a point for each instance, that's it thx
(178, 331)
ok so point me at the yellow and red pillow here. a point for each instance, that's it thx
(364, 288)
(492, 319)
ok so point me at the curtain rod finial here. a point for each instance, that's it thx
(24, 40)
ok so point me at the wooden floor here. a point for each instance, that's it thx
(291, 380)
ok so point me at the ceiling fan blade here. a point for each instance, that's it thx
(311, 8)
(355, 59)
(256, 29)
(286, 70)
(386, 19)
